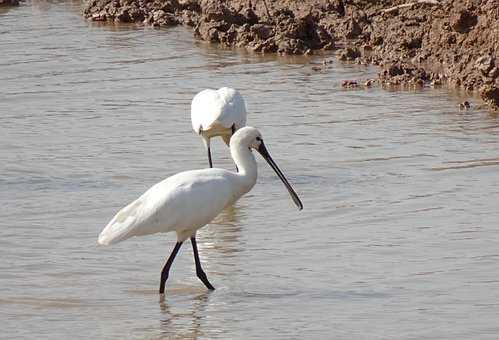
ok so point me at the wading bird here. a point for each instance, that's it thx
(189, 200)
(217, 113)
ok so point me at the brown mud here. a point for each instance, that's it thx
(9, 3)
(415, 42)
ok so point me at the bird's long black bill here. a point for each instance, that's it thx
(265, 154)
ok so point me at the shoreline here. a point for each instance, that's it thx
(416, 44)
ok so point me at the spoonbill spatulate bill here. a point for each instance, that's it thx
(217, 113)
(189, 200)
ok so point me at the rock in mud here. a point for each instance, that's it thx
(484, 64)
(157, 13)
(490, 94)
(350, 54)
(9, 2)
(369, 82)
(463, 21)
(353, 29)
(349, 84)
(464, 105)
(161, 18)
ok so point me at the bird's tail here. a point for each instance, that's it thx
(121, 226)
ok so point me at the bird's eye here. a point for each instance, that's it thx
(258, 139)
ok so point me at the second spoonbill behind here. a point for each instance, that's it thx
(189, 200)
(217, 113)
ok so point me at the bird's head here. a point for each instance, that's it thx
(247, 137)
(251, 138)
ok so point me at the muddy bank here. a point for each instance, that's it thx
(9, 3)
(416, 43)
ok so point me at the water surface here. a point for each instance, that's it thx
(398, 238)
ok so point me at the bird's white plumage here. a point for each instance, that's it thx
(188, 200)
(184, 203)
(212, 109)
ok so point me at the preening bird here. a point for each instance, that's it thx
(189, 200)
(217, 113)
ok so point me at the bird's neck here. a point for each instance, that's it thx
(246, 165)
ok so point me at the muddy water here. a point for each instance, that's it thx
(399, 235)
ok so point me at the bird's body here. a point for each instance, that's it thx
(217, 113)
(182, 203)
(189, 200)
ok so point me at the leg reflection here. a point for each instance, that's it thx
(183, 321)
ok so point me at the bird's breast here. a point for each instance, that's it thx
(216, 129)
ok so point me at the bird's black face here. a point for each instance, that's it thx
(265, 154)
(256, 142)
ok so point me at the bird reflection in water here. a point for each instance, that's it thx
(186, 322)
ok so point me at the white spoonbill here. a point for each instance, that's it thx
(217, 113)
(189, 200)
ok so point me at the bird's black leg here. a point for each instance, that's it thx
(209, 157)
(199, 271)
(166, 268)
(233, 128)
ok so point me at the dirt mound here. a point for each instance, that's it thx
(285, 33)
(234, 23)
(452, 41)
(415, 42)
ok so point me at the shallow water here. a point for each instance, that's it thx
(398, 238)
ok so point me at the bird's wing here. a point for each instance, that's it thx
(233, 109)
(205, 108)
(142, 216)
(186, 200)
(224, 106)
(121, 226)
